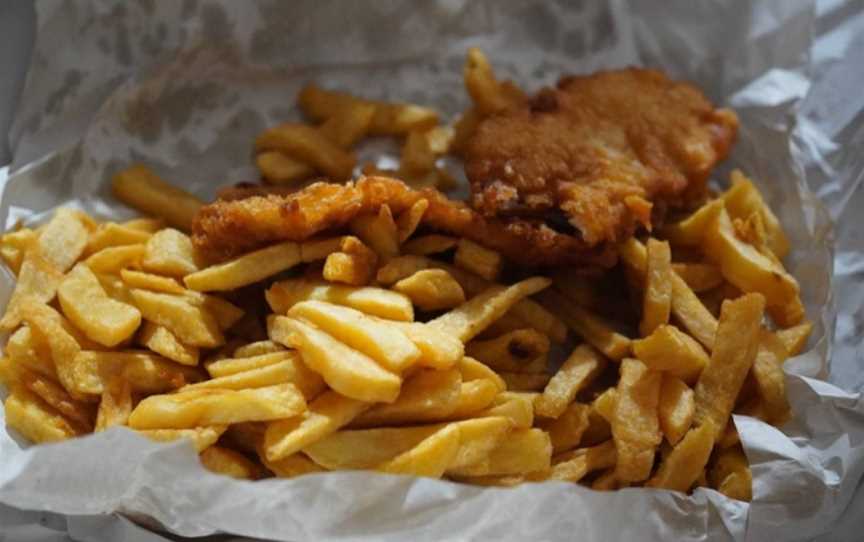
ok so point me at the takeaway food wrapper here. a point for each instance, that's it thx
(185, 87)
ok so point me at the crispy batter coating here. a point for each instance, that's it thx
(229, 227)
(578, 153)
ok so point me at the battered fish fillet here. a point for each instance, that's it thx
(230, 227)
(596, 151)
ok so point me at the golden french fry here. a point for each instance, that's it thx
(532, 314)
(429, 244)
(247, 269)
(474, 397)
(113, 259)
(292, 466)
(795, 338)
(489, 96)
(478, 259)
(378, 231)
(517, 407)
(354, 264)
(417, 157)
(169, 252)
(102, 319)
(309, 145)
(63, 240)
(472, 369)
(314, 250)
(676, 408)
(349, 124)
(346, 370)
(512, 352)
(150, 225)
(604, 404)
(14, 244)
(691, 231)
(146, 372)
(635, 428)
(599, 429)
(141, 188)
(583, 365)
(116, 403)
(700, 277)
(148, 281)
(366, 448)
(283, 295)
(574, 465)
(260, 377)
(606, 481)
(522, 451)
(478, 438)
(27, 414)
(692, 314)
(431, 290)
(734, 353)
(257, 348)
(565, 431)
(671, 350)
(52, 329)
(409, 220)
(475, 315)
(428, 395)
(284, 363)
(192, 325)
(401, 267)
(37, 282)
(201, 437)
(224, 312)
(438, 349)
(521, 382)
(430, 458)
(387, 345)
(324, 416)
(731, 475)
(770, 380)
(279, 168)
(743, 198)
(594, 329)
(657, 302)
(681, 468)
(749, 270)
(439, 139)
(217, 407)
(227, 462)
(54, 395)
(111, 234)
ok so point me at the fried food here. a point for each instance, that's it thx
(227, 228)
(589, 153)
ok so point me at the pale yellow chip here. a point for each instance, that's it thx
(32, 418)
(227, 462)
(686, 462)
(191, 409)
(522, 451)
(437, 349)
(474, 397)
(314, 250)
(604, 404)
(429, 244)
(378, 231)
(169, 252)
(366, 448)
(583, 365)
(257, 348)
(565, 431)
(735, 350)
(770, 379)
(691, 231)
(409, 220)
(147, 372)
(743, 198)
(63, 240)
(401, 267)
(657, 301)
(14, 244)
(478, 259)
(27, 349)
(676, 408)
(54, 395)
(635, 427)
(259, 377)
(430, 458)
(431, 290)
(201, 437)
(278, 168)
(671, 350)
(115, 406)
(427, 396)
(113, 259)
(149, 281)
(324, 416)
(478, 438)
(573, 466)
(225, 313)
(692, 314)
(192, 325)
(247, 269)
(354, 264)
(150, 225)
(349, 124)
(111, 234)
(731, 475)
(283, 295)
(292, 466)
(102, 319)
(51, 328)
(795, 338)
(515, 406)
(345, 370)
(37, 282)
(141, 188)
(700, 277)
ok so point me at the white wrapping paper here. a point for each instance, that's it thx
(185, 87)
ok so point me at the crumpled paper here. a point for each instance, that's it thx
(185, 86)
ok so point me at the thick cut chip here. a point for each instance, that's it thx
(314, 250)
(478, 259)
(150, 225)
(146, 372)
(685, 463)
(635, 427)
(474, 397)
(53, 394)
(594, 329)
(657, 302)
(416, 159)
(191, 324)
(743, 199)
(734, 352)
(111, 234)
(27, 349)
(283, 295)
(471, 318)
(402, 267)
(292, 466)
(521, 452)
(409, 220)
(770, 378)
(565, 431)
(472, 369)
(63, 240)
(268, 375)
(113, 259)
(308, 381)
(669, 349)
(148, 281)
(116, 403)
(227, 462)
(52, 329)
(676, 408)
(426, 396)
(583, 365)
(37, 422)
(14, 244)
(731, 475)
(247, 269)
(429, 244)
(191, 409)
(604, 404)
(141, 188)
(225, 313)
(691, 231)
(169, 252)
(257, 348)
(478, 438)
(700, 277)
(165, 343)
(354, 264)
(795, 338)
(279, 168)
(573, 466)
(37, 282)
(430, 458)
(385, 344)
(201, 437)
(521, 382)
(692, 314)
(488, 94)
(515, 406)
(366, 448)
(431, 290)
(378, 231)
(349, 372)
(102, 319)
(512, 352)
(437, 349)
(751, 271)
(324, 416)
(309, 145)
